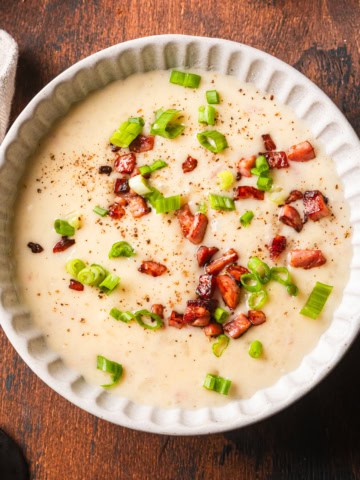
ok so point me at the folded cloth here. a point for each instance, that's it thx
(8, 62)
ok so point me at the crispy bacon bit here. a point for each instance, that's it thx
(315, 205)
(185, 218)
(291, 217)
(277, 246)
(105, 169)
(306, 259)
(121, 185)
(35, 247)
(293, 196)
(243, 192)
(138, 206)
(198, 228)
(189, 165)
(142, 143)
(276, 159)
(63, 244)
(302, 152)
(268, 143)
(125, 163)
(256, 317)
(158, 309)
(136, 172)
(235, 271)
(206, 286)
(218, 264)
(116, 211)
(204, 254)
(75, 285)
(198, 312)
(245, 165)
(154, 269)
(237, 327)
(176, 320)
(229, 289)
(213, 329)
(114, 148)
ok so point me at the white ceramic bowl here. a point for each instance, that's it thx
(163, 52)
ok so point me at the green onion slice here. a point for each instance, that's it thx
(258, 299)
(73, 267)
(63, 228)
(113, 368)
(125, 317)
(148, 169)
(74, 220)
(264, 183)
(212, 97)
(150, 326)
(212, 140)
(165, 124)
(263, 272)
(261, 166)
(92, 275)
(278, 195)
(246, 218)
(255, 349)
(121, 249)
(251, 282)
(127, 132)
(292, 290)
(219, 202)
(100, 211)
(168, 204)
(185, 79)
(153, 196)
(281, 275)
(316, 301)
(221, 315)
(226, 179)
(221, 345)
(202, 208)
(206, 115)
(140, 185)
(109, 283)
(217, 384)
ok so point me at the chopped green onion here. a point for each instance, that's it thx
(255, 265)
(121, 249)
(221, 345)
(316, 301)
(148, 169)
(75, 220)
(92, 275)
(246, 218)
(255, 349)
(140, 185)
(165, 124)
(100, 211)
(212, 140)
(258, 299)
(109, 284)
(264, 183)
(278, 195)
(202, 208)
(168, 204)
(281, 275)
(153, 196)
(185, 79)
(125, 317)
(207, 115)
(227, 179)
(221, 315)
(292, 290)
(108, 366)
(127, 132)
(261, 166)
(73, 267)
(212, 97)
(219, 202)
(251, 282)
(63, 228)
(217, 384)
(145, 313)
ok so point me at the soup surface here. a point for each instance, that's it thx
(167, 367)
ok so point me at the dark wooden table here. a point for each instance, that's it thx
(317, 438)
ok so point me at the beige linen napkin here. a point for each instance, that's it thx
(8, 62)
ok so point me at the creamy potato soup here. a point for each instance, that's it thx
(295, 217)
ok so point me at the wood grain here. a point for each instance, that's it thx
(317, 438)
